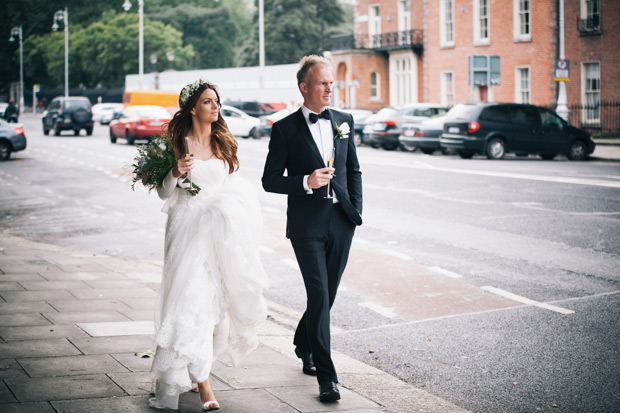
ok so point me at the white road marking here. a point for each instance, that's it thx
(379, 309)
(445, 272)
(397, 254)
(533, 177)
(527, 301)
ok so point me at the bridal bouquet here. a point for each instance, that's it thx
(153, 162)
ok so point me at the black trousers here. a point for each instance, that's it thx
(322, 262)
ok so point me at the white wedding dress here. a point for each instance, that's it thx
(211, 295)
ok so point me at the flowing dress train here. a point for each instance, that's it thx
(211, 295)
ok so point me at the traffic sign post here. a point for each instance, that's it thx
(562, 70)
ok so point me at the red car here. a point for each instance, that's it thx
(139, 122)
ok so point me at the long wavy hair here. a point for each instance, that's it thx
(223, 143)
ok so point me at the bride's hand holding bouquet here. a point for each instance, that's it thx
(155, 160)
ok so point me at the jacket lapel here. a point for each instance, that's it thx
(304, 131)
(332, 116)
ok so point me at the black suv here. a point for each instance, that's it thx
(494, 129)
(252, 108)
(73, 113)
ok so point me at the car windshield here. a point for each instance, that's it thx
(71, 104)
(461, 112)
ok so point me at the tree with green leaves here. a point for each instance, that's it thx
(102, 53)
(293, 29)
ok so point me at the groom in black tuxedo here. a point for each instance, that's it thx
(320, 228)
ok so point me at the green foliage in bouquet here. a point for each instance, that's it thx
(152, 163)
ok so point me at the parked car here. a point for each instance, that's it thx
(386, 126)
(494, 129)
(266, 122)
(240, 123)
(12, 139)
(72, 113)
(423, 136)
(139, 122)
(252, 108)
(104, 112)
(360, 117)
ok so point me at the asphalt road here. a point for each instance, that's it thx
(491, 284)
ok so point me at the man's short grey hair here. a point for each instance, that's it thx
(307, 63)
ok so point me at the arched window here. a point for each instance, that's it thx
(375, 86)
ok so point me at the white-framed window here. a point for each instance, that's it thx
(482, 33)
(590, 15)
(447, 88)
(523, 84)
(404, 15)
(374, 25)
(446, 23)
(403, 78)
(375, 86)
(591, 91)
(522, 20)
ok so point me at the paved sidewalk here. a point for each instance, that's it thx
(73, 326)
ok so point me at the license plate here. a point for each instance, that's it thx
(453, 129)
(156, 123)
(409, 132)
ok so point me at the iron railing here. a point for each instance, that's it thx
(600, 118)
(406, 39)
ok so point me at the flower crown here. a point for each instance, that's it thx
(190, 89)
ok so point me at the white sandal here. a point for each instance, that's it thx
(207, 406)
(195, 387)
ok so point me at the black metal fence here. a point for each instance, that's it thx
(407, 39)
(603, 117)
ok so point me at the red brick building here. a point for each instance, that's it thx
(406, 51)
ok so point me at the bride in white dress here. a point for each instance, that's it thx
(211, 295)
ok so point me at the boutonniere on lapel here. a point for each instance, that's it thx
(342, 131)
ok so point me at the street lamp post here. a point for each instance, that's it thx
(127, 6)
(17, 31)
(63, 15)
(562, 108)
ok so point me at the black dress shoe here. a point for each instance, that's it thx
(328, 392)
(306, 358)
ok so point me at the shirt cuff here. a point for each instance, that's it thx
(306, 187)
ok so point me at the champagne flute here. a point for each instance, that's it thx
(330, 164)
(188, 142)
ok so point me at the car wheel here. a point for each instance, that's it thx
(254, 133)
(130, 139)
(5, 150)
(465, 154)
(577, 151)
(46, 131)
(57, 129)
(496, 148)
(76, 132)
(112, 137)
(547, 156)
(357, 138)
(89, 131)
(427, 151)
(389, 146)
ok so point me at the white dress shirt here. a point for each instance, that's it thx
(323, 136)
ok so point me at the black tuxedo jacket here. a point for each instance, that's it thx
(293, 149)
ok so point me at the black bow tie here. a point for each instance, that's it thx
(314, 117)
